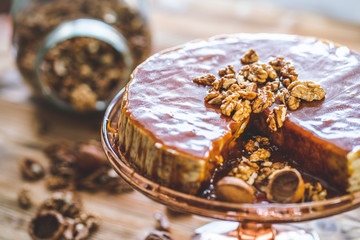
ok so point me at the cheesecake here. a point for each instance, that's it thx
(169, 132)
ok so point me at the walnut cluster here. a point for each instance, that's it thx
(256, 87)
(63, 210)
(258, 169)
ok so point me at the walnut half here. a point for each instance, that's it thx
(249, 57)
(308, 91)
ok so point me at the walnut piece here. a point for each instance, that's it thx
(249, 57)
(260, 155)
(254, 73)
(288, 74)
(291, 102)
(245, 170)
(31, 169)
(308, 91)
(271, 122)
(24, 200)
(263, 141)
(280, 115)
(314, 193)
(228, 71)
(276, 118)
(272, 86)
(242, 110)
(251, 145)
(264, 100)
(277, 63)
(205, 79)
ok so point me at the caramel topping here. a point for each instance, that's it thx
(163, 100)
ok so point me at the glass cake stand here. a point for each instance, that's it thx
(239, 221)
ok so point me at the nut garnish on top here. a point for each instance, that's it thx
(256, 87)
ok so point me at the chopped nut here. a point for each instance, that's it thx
(229, 103)
(245, 170)
(263, 141)
(212, 95)
(260, 155)
(249, 57)
(291, 102)
(277, 64)
(314, 193)
(228, 71)
(250, 146)
(24, 200)
(206, 79)
(276, 118)
(308, 91)
(264, 100)
(271, 122)
(257, 72)
(227, 82)
(254, 73)
(288, 74)
(272, 86)
(31, 169)
(280, 114)
(242, 110)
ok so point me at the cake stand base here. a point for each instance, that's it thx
(226, 230)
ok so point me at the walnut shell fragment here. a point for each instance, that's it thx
(47, 225)
(232, 189)
(285, 186)
(31, 169)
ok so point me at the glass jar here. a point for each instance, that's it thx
(78, 54)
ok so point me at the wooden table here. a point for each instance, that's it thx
(27, 126)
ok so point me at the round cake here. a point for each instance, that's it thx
(172, 135)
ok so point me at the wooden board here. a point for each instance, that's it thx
(27, 126)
